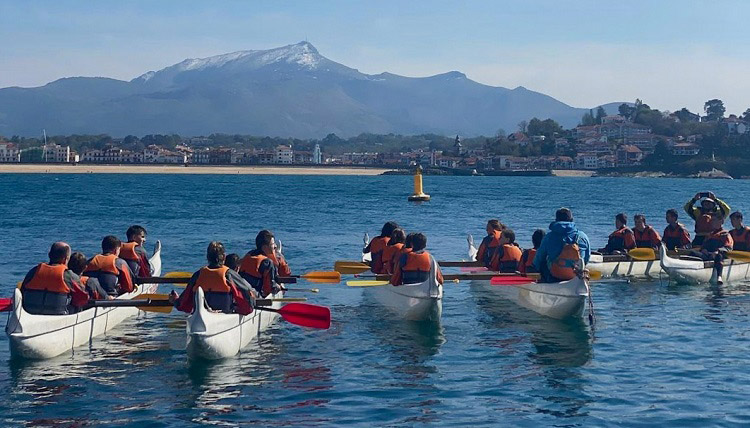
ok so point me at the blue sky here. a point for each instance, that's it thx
(671, 54)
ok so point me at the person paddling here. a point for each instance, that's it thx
(258, 269)
(559, 256)
(645, 235)
(416, 266)
(112, 272)
(676, 236)
(490, 242)
(52, 288)
(224, 288)
(77, 264)
(710, 206)
(393, 250)
(526, 264)
(134, 253)
(740, 233)
(506, 255)
(715, 245)
(622, 239)
(377, 246)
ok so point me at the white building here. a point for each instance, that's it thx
(317, 155)
(284, 155)
(9, 152)
(56, 153)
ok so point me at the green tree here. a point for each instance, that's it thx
(626, 110)
(714, 109)
(588, 119)
(548, 127)
(523, 126)
(686, 115)
(600, 113)
(746, 114)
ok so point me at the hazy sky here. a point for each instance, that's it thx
(671, 54)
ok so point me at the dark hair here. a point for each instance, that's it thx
(737, 215)
(388, 229)
(536, 237)
(418, 242)
(58, 252)
(622, 218)
(263, 238)
(232, 261)
(495, 224)
(110, 244)
(673, 213)
(397, 237)
(639, 217)
(510, 234)
(77, 262)
(135, 230)
(215, 253)
(409, 239)
(563, 214)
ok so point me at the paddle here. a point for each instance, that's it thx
(180, 281)
(352, 268)
(512, 280)
(302, 290)
(304, 314)
(6, 304)
(740, 256)
(642, 254)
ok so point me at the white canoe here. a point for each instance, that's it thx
(215, 335)
(413, 302)
(46, 336)
(698, 271)
(560, 300)
(613, 266)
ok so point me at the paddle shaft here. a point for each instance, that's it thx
(165, 302)
(163, 280)
(459, 276)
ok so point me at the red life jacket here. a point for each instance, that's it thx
(526, 264)
(250, 269)
(488, 247)
(703, 224)
(648, 238)
(563, 267)
(508, 262)
(674, 236)
(415, 267)
(377, 246)
(741, 238)
(616, 241)
(390, 254)
(716, 240)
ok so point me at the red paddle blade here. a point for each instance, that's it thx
(6, 304)
(511, 280)
(306, 315)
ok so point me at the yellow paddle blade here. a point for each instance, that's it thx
(323, 276)
(366, 283)
(352, 269)
(642, 254)
(158, 309)
(177, 275)
(348, 263)
(595, 275)
(20, 283)
(740, 256)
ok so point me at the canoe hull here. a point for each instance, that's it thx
(695, 272)
(630, 268)
(46, 336)
(410, 301)
(560, 300)
(214, 336)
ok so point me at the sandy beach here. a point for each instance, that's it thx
(179, 169)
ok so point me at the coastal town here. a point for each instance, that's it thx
(601, 142)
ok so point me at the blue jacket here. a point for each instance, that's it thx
(561, 233)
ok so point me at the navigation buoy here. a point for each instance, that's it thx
(418, 195)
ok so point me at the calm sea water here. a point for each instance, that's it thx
(660, 354)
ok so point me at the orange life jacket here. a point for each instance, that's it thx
(526, 264)
(716, 240)
(103, 263)
(377, 246)
(674, 236)
(127, 251)
(213, 279)
(563, 267)
(488, 248)
(508, 262)
(250, 270)
(49, 278)
(415, 267)
(741, 238)
(648, 238)
(703, 224)
(617, 240)
(390, 253)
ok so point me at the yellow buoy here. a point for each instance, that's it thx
(418, 195)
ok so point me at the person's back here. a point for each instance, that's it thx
(51, 288)
(526, 264)
(378, 245)
(563, 235)
(393, 250)
(77, 264)
(507, 254)
(112, 272)
(416, 266)
(257, 268)
(489, 244)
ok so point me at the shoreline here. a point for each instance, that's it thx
(16, 168)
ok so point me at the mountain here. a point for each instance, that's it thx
(292, 91)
